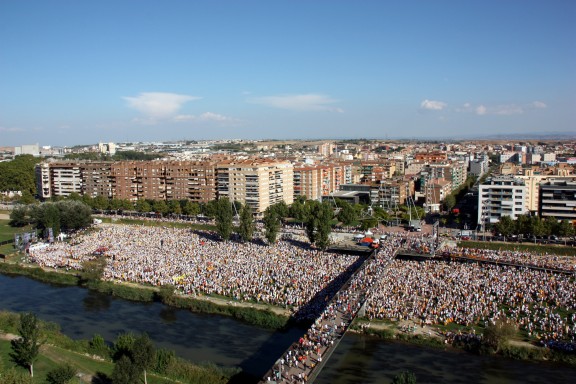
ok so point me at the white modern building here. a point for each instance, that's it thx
(501, 196)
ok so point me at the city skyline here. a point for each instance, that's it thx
(79, 73)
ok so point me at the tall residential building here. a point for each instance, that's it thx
(131, 180)
(109, 148)
(558, 200)
(326, 149)
(435, 192)
(258, 183)
(314, 181)
(479, 166)
(501, 196)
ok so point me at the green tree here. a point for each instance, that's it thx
(125, 371)
(133, 356)
(551, 226)
(100, 203)
(98, 346)
(191, 208)
(47, 215)
(92, 271)
(12, 376)
(404, 378)
(210, 209)
(318, 224)
(143, 354)
(298, 210)
(143, 206)
(505, 226)
(88, 200)
(347, 215)
(174, 207)
(74, 196)
(497, 334)
(20, 216)
(449, 202)
(160, 207)
(25, 349)
(62, 374)
(164, 359)
(565, 229)
(19, 175)
(74, 215)
(523, 225)
(369, 222)
(126, 205)
(224, 217)
(247, 226)
(271, 225)
(281, 210)
(115, 204)
(123, 345)
(27, 198)
(536, 226)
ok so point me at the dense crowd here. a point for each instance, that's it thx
(565, 263)
(289, 275)
(197, 263)
(440, 292)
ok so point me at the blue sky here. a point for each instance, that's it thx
(80, 72)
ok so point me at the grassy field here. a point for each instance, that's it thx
(152, 223)
(7, 232)
(52, 356)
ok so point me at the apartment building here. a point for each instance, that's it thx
(501, 196)
(479, 166)
(435, 193)
(307, 182)
(97, 179)
(375, 171)
(314, 181)
(258, 183)
(558, 200)
(431, 157)
(131, 180)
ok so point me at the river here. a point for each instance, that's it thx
(227, 342)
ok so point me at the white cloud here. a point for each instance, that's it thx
(206, 116)
(538, 105)
(210, 116)
(305, 102)
(433, 105)
(184, 118)
(157, 105)
(11, 129)
(506, 109)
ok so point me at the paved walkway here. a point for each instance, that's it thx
(304, 359)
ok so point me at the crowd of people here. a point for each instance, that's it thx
(442, 292)
(293, 276)
(562, 263)
(197, 263)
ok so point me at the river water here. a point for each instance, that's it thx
(227, 342)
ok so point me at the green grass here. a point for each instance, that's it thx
(53, 356)
(7, 232)
(524, 247)
(154, 223)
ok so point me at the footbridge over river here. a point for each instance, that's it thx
(305, 358)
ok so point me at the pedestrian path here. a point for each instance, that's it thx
(305, 358)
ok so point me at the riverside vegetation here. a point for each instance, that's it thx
(96, 361)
